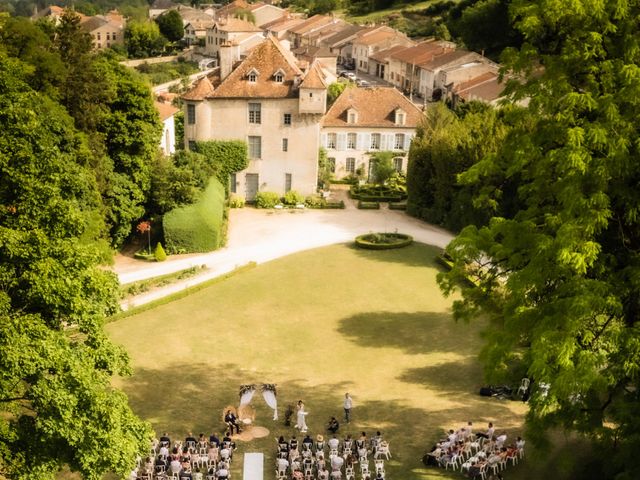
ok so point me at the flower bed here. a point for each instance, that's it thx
(383, 241)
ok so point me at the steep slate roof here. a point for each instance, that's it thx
(375, 106)
(236, 25)
(314, 77)
(266, 58)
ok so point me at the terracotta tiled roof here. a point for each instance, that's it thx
(93, 23)
(312, 23)
(342, 36)
(485, 87)
(421, 53)
(376, 108)
(201, 24)
(448, 58)
(201, 90)
(166, 110)
(266, 59)
(383, 55)
(236, 25)
(282, 24)
(377, 36)
(314, 78)
(231, 8)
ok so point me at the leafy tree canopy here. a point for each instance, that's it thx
(560, 277)
(170, 25)
(56, 402)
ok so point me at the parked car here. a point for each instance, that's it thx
(350, 75)
(363, 83)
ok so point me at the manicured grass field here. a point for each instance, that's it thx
(318, 324)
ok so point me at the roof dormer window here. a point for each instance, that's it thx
(252, 76)
(352, 116)
(278, 77)
(401, 116)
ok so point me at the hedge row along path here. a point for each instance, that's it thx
(260, 236)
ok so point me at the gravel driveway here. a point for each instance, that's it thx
(259, 236)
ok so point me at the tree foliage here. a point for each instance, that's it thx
(143, 39)
(225, 157)
(170, 25)
(560, 276)
(383, 167)
(447, 144)
(57, 405)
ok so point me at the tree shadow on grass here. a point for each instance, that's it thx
(412, 332)
(190, 398)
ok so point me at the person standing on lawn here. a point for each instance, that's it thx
(348, 404)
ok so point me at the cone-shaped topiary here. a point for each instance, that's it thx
(160, 254)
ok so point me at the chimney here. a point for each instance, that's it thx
(226, 60)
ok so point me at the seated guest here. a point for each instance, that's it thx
(202, 441)
(323, 473)
(222, 473)
(213, 452)
(348, 442)
(307, 443)
(293, 443)
(336, 475)
(334, 442)
(227, 442)
(214, 439)
(362, 441)
(165, 440)
(297, 475)
(282, 464)
(333, 425)
(474, 470)
(185, 474)
(231, 421)
(336, 462)
(175, 466)
(319, 443)
(190, 439)
(164, 451)
(283, 445)
(197, 475)
(489, 433)
(500, 439)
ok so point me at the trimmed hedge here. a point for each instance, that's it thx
(368, 205)
(317, 202)
(383, 241)
(376, 193)
(397, 205)
(197, 227)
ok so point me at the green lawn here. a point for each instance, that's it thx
(318, 324)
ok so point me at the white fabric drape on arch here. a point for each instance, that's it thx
(270, 399)
(245, 398)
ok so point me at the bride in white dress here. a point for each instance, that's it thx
(301, 423)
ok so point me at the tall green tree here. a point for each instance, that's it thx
(560, 277)
(57, 406)
(143, 39)
(170, 25)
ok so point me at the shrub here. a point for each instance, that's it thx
(383, 241)
(236, 202)
(144, 255)
(314, 201)
(160, 254)
(197, 227)
(293, 198)
(397, 205)
(267, 199)
(368, 205)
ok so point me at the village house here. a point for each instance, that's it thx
(311, 24)
(280, 28)
(373, 40)
(105, 30)
(430, 69)
(340, 42)
(158, 7)
(235, 31)
(167, 113)
(270, 103)
(363, 121)
(403, 64)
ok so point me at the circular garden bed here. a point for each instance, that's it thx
(383, 241)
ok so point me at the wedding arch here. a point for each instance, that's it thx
(268, 394)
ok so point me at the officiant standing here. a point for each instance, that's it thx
(301, 423)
